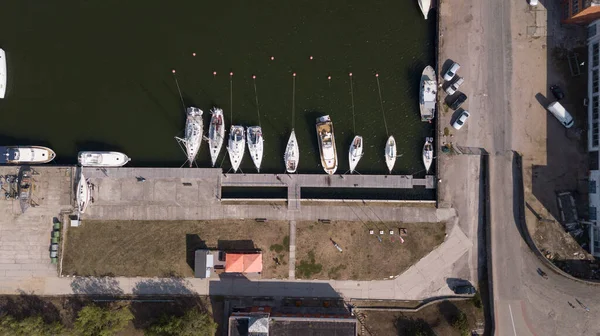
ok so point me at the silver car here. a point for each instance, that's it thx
(461, 120)
(451, 71)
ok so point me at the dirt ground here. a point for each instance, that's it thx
(436, 319)
(363, 257)
(165, 249)
(65, 308)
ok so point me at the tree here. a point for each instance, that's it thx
(461, 323)
(192, 323)
(97, 321)
(33, 325)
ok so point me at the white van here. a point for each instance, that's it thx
(561, 114)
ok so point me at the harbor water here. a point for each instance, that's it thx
(97, 75)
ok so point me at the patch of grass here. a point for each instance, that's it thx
(476, 299)
(278, 248)
(307, 268)
(461, 324)
(334, 272)
(446, 131)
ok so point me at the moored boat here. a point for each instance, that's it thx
(427, 94)
(236, 146)
(216, 134)
(291, 157)
(425, 5)
(102, 159)
(193, 133)
(255, 145)
(26, 154)
(327, 147)
(355, 152)
(3, 73)
(427, 154)
(83, 193)
(390, 153)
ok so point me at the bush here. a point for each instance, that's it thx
(192, 323)
(33, 325)
(460, 322)
(97, 321)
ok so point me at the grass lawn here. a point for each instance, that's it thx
(165, 249)
(363, 256)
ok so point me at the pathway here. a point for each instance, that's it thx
(292, 262)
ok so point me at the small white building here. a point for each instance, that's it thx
(593, 133)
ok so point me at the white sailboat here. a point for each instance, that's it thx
(3, 74)
(236, 146)
(425, 5)
(327, 144)
(255, 145)
(26, 154)
(355, 152)
(83, 193)
(390, 153)
(291, 157)
(102, 159)
(193, 133)
(427, 154)
(427, 94)
(216, 133)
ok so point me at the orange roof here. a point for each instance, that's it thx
(243, 263)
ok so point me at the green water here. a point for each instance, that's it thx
(91, 75)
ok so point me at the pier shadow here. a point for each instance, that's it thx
(193, 242)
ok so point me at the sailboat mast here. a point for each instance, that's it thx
(178, 89)
(381, 103)
(352, 98)
(256, 96)
(231, 95)
(293, 99)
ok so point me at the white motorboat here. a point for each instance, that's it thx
(390, 153)
(102, 159)
(193, 133)
(255, 145)
(216, 134)
(425, 5)
(291, 157)
(2, 73)
(427, 94)
(427, 154)
(356, 152)
(26, 154)
(236, 146)
(84, 193)
(327, 144)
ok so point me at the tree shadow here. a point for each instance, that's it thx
(449, 311)
(96, 286)
(27, 305)
(411, 326)
(236, 245)
(193, 242)
(148, 312)
(166, 286)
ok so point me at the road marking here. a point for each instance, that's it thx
(512, 320)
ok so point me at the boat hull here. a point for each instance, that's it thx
(356, 152)
(425, 5)
(216, 134)
(193, 133)
(26, 155)
(427, 94)
(327, 148)
(236, 146)
(83, 194)
(102, 159)
(3, 74)
(427, 155)
(390, 153)
(291, 156)
(255, 145)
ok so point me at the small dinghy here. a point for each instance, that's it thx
(390, 153)
(427, 154)
(255, 145)
(355, 152)
(292, 154)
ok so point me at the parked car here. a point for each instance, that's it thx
(533, 2)
(458, 101)
(464, 289)
(561, 114)
(450, 90)
(451, 72)
(461, 120)
(557, 92)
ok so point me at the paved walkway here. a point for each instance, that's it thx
(292, 263)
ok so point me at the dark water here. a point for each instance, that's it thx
(97, 75)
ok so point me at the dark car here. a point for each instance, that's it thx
(464, 290)
(557, 92)
(458, 101)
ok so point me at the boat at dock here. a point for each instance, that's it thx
(193, 133)
(26, 154)
(390, 153)
(427, 94)
(327, 144)
(291, 157)
(216, 134)
(425, 6)
(102, 159)
(25, 187)
(84, 193)
(355, 152)
(427, 154)
(236, 146)
(255, 145)
(3, 73)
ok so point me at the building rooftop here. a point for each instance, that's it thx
(294, 326)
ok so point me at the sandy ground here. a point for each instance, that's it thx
(163, 249)
(363, 257)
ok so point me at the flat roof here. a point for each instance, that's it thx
(307, 326)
